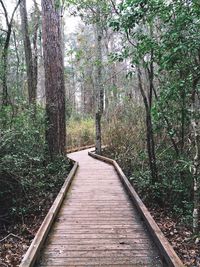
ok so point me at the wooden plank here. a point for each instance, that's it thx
(92, 230)
(166, 249)
(61, 253)
(97, 242)
(136, 261)
(33, 251)
(133, 235)
(97, 246)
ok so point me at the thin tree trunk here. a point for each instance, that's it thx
(4, 56)
(54, 79)
(35, 46)
(149, 132)
(28, 54)
(99, 86)
(18, 61)
(196, 160)
(4, 59)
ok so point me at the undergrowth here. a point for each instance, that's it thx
(126, 143)
(27, 175)
(80, 131)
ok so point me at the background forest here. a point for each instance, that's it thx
(131, 82)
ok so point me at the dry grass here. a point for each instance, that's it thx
(80, 132)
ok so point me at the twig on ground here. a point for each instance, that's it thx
(11, 234)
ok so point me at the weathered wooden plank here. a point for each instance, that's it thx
(97, 246)
(166, 249)
(95, 242)
(65, 236)
(60, 253)
(33, 251)
(98, 231)
(136, 261)
(67, 225)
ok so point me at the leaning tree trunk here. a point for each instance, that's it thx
(99, 86)
(32, 84)
(54, 78)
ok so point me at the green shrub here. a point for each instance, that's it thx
(126, 140)
(26, 172)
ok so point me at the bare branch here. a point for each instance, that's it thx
(14, 11)
(5, 12)
(114, 7)
(9, 23)
(3, 30)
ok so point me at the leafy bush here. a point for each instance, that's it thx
(124, 136)
(26, 173)
(126, 140)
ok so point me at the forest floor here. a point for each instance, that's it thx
(180, 237)
(16, 238)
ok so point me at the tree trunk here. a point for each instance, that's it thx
(196, 160)
(4, 55)
(99, 86)
(4, 59)
(28, 54)
(54, 79)
(149, 131)
(35, 45)
(18, 62)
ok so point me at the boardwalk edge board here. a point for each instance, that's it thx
(166, 250)
(32, 253)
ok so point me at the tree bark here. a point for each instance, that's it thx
(54, 79)
(4, 60)
(32, 83)
(196, 160)
(4, 55)
(35, 45)
(149, 131)
(99, 86)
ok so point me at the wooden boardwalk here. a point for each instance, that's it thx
(97, 224)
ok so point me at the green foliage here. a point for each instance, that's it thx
(25, 169)
(125, 137)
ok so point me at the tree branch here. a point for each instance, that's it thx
(5, 12)
(14, 11)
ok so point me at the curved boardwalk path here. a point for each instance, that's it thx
(97, 224)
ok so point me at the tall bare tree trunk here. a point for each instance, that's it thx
(4, 55)
(4, 59)
(36, 17)
(54, 78)
(196, 161)
(149, 129)
(99, 85)
(32, 83)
